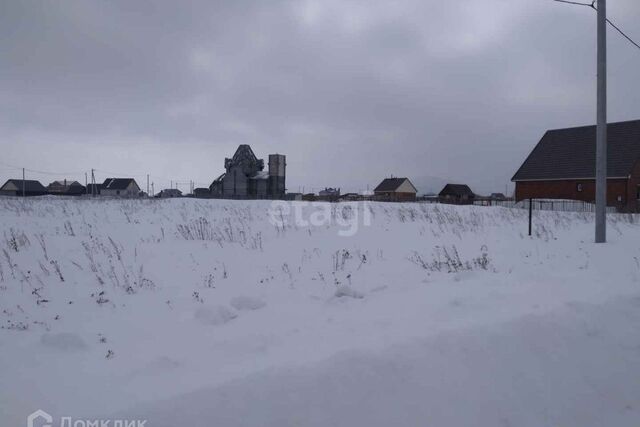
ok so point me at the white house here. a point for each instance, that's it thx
(120, 187)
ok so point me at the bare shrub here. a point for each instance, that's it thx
(448, 259)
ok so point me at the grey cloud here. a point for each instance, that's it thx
(351, 91)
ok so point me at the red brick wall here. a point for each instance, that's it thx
(568, 189)
(632, 189)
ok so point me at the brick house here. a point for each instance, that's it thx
(562, 166)
(395, 190)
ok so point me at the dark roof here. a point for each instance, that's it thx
(456, 190)
(391, 184)
(497, 196)
(170, 191)
(29, 185)
(116, 183)
(571, 153)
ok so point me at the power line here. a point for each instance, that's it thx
(577, 3)
(623, 34)
(592, 5)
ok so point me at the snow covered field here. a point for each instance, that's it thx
(231, 313)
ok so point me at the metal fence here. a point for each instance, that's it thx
(546, 205)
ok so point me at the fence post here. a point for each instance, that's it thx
(530, 214)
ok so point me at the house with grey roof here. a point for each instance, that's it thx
(18, 187)
(66, 188)
(562, 166)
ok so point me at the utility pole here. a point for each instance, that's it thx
(23, 183)
(93, 183)
(601, 130)
(86, 184)
(153, 191)
(147, 185)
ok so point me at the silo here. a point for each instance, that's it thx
(277, 172)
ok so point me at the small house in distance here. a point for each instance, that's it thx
(459, 194)
(120, 187)
(395, 190)
(201, 193)
(169, 193)
(562, 166)
(66, 188)
(350, 197)
(329, 194)
(16, 187)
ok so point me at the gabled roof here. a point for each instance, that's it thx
(244, 156)
(117, 183)
(244, 152)
(29, 185)
(67, 183)
(571, 153)
(391, 184)
(456, 190)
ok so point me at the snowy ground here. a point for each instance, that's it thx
(215, 313)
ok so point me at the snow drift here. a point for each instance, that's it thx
(204, 312)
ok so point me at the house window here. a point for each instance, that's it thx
(579, 188)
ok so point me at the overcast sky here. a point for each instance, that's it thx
(350, 91)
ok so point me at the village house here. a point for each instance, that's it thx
(245, 177)
(329, 194)
(18, 187)
(459, 194)
(395, 190)
(66, 188)
(350, 197)
(202, 193)
(562, 166)
(120, 187)
(169, 193)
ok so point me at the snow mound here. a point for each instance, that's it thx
(347, 291)
(64, 341)
(218, 315)
(246, 303)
